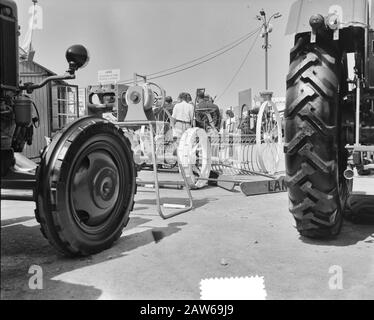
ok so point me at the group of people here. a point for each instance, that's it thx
(246, 124)
(185, 114)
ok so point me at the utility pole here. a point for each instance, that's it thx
(266, 29)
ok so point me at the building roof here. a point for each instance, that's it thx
(23, 59)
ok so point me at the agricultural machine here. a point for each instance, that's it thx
(85, 183)
(329, 131)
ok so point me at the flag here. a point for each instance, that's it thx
(35, 23)
(36, 12)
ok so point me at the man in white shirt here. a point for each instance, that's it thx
(183, 116)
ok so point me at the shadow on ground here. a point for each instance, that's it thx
(23, 246)
(351, 234)
(15, 220)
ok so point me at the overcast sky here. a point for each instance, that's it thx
(146, 36)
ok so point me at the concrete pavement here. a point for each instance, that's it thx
(167, 259)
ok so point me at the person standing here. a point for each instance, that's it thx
(183, 116)
(230, 122)
(208, 115)
(245, 125)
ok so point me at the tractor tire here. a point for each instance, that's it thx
(85, 188)
(312, 141)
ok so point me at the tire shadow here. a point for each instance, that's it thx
(23, 246)
(351, 234)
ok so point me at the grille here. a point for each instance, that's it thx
(370, 75)
(8, 52)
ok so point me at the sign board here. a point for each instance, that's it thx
(245, 98)
(108, 76)
(280, 102)
(251, 188)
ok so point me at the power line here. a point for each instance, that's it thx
(249, 34)
(230, 46)
(240, 67)
(201, 62)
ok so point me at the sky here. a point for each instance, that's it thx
(146, 36)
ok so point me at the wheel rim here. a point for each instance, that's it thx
(94, 188)
(269, 137)
(194, 155)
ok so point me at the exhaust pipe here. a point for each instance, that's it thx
(348, 174)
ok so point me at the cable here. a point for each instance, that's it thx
(229, 46)
(240, 67)
(246, 36)
(206, 55)
(201, 62)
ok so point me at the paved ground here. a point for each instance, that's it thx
(227, 235)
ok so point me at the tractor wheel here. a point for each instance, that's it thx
(85, 188)
(316, 188)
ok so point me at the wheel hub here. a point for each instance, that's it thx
(104, 187)
(95, 187)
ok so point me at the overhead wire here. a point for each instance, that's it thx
(197, 64)
(246, 36)
(229, 47)
(240, 67)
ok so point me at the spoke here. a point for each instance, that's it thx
(194, 148)
(263, 133)
(267, 119)
(274, 133)
(196, 170)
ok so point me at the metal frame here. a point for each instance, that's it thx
(23, 182)
(156, 182)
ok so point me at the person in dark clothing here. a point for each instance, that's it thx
(207, 113)
(245, 125)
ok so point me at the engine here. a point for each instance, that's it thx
(17, 122)
(15, 108)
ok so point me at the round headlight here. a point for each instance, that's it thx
(77, 56)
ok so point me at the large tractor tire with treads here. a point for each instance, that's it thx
(85, 187)
(312, 147)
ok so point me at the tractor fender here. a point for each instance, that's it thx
(351, 13)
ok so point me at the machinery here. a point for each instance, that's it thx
(132, 108)
(329, 130)
(85, 183)
(124, 103)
